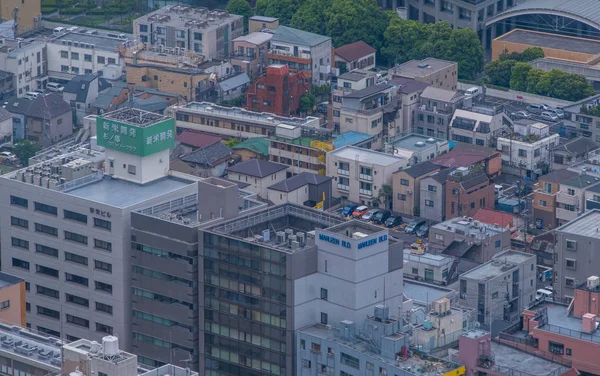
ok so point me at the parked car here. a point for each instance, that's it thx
(549, 116)
(393, 221)
(54, 87)
(348, 209)
(368, 216)
(542, 294)
(423, 231)
(322, 107)
(381, 216)
(360, 211)
(413, 226)
(521, 115)
(8, 157)
(558, 113)
(536, 108)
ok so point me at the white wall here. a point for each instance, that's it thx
(147, 168)
(27, 69)
(512, 155)
(298, 196)
(55, 61)
(258, 185)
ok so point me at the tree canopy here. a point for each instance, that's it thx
(307, 102)
(242, 8)
(25, 149)
(499, 71)
(282, 9)
(527, 55)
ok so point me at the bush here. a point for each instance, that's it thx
(48, 9)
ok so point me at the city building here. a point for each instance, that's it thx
(81, 91)
(406, 185)
(433, 195)
(528, 153)
(25, 60)
(302, 148)
(357, 55)
(66, 229)
(409, 91)
(576, 245)
(7, 84)
(46, 119)
(85, 52)
(12, 300)
(433, 115)
(424, 294)
(495, 217)
(29, 18)
(232, 87)
(472, 242)
(572, 151)
(249, 54)
(442, 74)
(430, 267)
(348, 263)
(463, 154)
(190, 84)
(360, 173)
(500, 288)
(418, 148)
(479, 128)
(189, 140)
(259, 173)
(6, 127)
(205, 32)
(253, 148)
(302, 51)
(570, 198)
(206, 161)
(278, 91)
(467, 190)
(233, 121)
(260, 23)
(306, 189)
(544, 197)
(358, 139)
(347, 83)
(592, 197)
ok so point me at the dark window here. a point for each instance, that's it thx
(104, 328)
(14, 200)
(41, 269)
(49, 209)
(404, 182)
(104, 308)
(101, 286)
(76, 279)
(16, 242)
(48, 312)
(78, 321)
(556, 348)
(162, 276)
(46, 250)
(76, 237)
(101, 265)
(324, 318)
(47, 291)
(569, 352)
(19, 222)
(323, 294)
(72, 257)
(75, 216)
(349, 361)
(18, 263)
(48, 230)
(50, 332)
(101, 223)
(77, 300)
(101, 244)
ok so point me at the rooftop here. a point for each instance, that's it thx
(427, 258)
(509, 358)
(91, 39)
(355, 75)
(443, 95)
(286, 34)
(498, 266)
(354, 51)
(408, 85)
(417, 142)
(80, 85)
(424, 292)
(169, 370)
(584, 225)
(368, 91)
(264, 18)
(9, 280)
(350, 138)
(577, 146)
(490, 217)
(255, 38)
(257, 167)
(469, 228)
(27, 346)
(209, 156)
(558, 176)
(559, 321)
(298, 181)
(46, 106)
(441, 176)
(553, 41)
(366, 156)
(420, 169)
(186, 17)
(134, 116)
(464, 154)
(421, 68)
(581, 181)
(196, 139)
(258, 145)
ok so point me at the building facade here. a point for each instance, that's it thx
(570, 198)
(478, 128)
(433, 115)
(433, 195)
(468, 190)
(27, 61)
(259, 174)
(544, 197)
(12, 300)
(346, 83)
(183, 82)
(357, 55)
(442, 74)
(406, 185)
(249, 53)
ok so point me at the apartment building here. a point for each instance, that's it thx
(12, 300)
(592, 197)
(360, 173)
(81, 92)
(409, 91)
(406, 185)
(260, 23)
(302, 51)
(301, 148)
(478, 128)
(544, 197)
(258, 174)
(433, 115)
(189, 84)
(347, 83)
(582, 117)
(6, 128)
(429, 267)
(249, 54)
(278, 91)
(501, 288)
(463, 154)
(253, 148)
(442, 74)
(232, 121)
(418, 148)
(572, 151)
(467, 190)
(205, 32)
(27, 61)
(433, 195)
(570, 198)
(66, 230)
(308, 189)
(84, 52)
(357, 55)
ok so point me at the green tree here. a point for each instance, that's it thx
(385, 195)
(533, 77)
(563, 85)
(312, 16)
(465, 48)
(232, 141)
(350, 21)
(25, 149)
(307, 102)
(531, 53)
(321, 92)
(400, 38)
(242, 8)
(499, 72)
(282, 9)
(518, 76)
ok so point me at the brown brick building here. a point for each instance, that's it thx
(184, 82)
(278, 91)
(468, 190)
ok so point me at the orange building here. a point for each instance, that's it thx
(12, 300)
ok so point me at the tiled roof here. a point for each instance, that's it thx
(354, 51)
(558, 176)
(80, 85)
(258, 145)
(493, 216)
(210, 155)
(44, 106)
(4, 114)
(290, 35)
(196, 139)
(421, 169)
(463, 155)
(578, 146)
(298, 181)
(257, 168)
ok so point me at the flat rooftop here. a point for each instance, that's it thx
(27, 346)
(501, 264)
(134, 116)
(353, 226)
(425, 293)
(584, 225)
(417, 142)
(560, 322)
(186, 17)
(366, 156)
(86, 38)
(427, 258)
(462, 226)
(9, 280)
(421, 68)
(553, 41)
(524, 363)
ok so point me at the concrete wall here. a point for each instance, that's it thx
(15, 296)
(258, 185)
(519, 96)
(435, 212)
(55, 61)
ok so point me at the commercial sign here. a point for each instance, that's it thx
(370, 242)
(347, 244)
(141, 141)
(335, 241)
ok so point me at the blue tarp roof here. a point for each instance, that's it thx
(350, 138)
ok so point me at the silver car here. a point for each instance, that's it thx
(369, 215)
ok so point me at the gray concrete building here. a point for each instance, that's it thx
(433, 195)
(434, 114)
(501, 288)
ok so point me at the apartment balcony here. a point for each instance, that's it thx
(391, 106)
(366, 192)
(343, 172)
(565, 215)
(435, 110)
(366, 177)
(567, 199)
(288, 56)
(343, 187)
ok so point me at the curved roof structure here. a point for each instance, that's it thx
(585, 11)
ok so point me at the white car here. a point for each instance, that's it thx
(549, 116)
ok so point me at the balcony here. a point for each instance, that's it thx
(343, 187)
(235, 56)
(343, 172)
(567, 199)
(436, 110)
(289, 56)
(565, 215)
(366, 192)
(366, 177)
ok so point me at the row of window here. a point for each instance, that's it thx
(87, 57)
(69, 277)
(74, 299)
(75, 320)
(21, 243)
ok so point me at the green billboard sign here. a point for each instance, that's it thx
(133, 139)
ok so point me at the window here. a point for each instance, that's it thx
(48, 312)
(569, 352)
(39, 248)
(569, 282)
(101, 265)
(180, 33)
(522, 153)
(18, 263)
(401, 197)
(76, 279)
(87, 57)
(75, 216)
(556, 348)
(64, 68)
(104, 328)
(50, 332)
(47, 292)
(48, 209)
(570, 191)
(432, 188)
(100, 59)
(404, 182)
(336, 113)
(20, 243)
(197, 36)
(41, 269)
(495, 295)
(101, 307)
(306, 363)
(72, 257)
(571, 264)
(350, 361)
(415, 271)
(571, 245)
(19, 222)
(429, 203)
(497, 244)
(18, 201)
(143, 28)
(104, 287)
(323, 294)
(101, 244)
(76, 237)
(78, 321)
(74, 56)
(302, 344)
(111, 60)
(159, 275)
(52, 231)
(324, 318)
(77, 300)
(543, 203)
(472, 205)
(64, 54)
(131, 169)
(479, 142)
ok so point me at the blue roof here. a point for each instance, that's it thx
(350, 138)
(451, 144)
